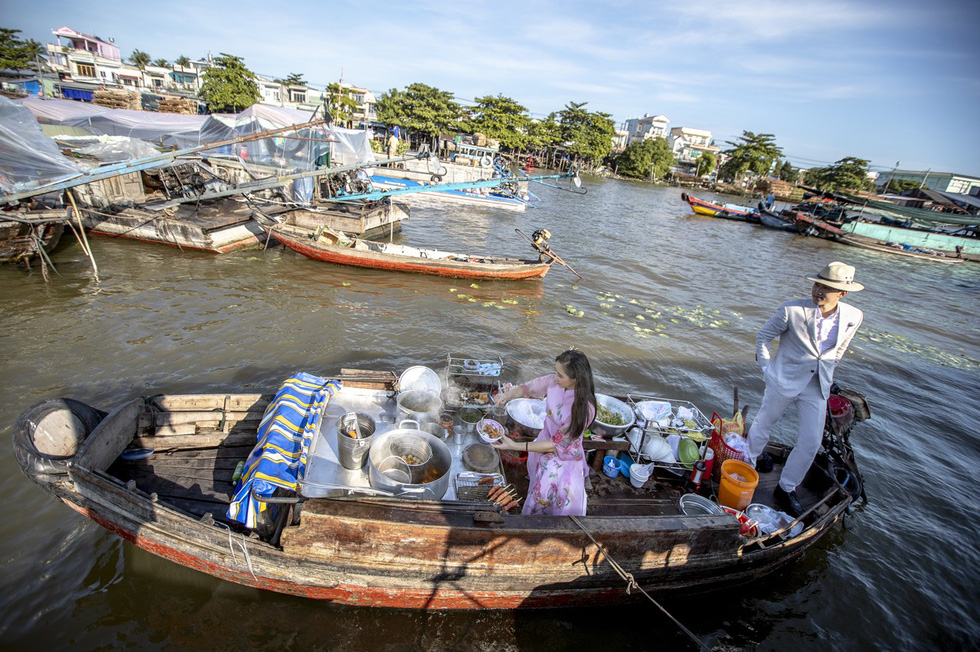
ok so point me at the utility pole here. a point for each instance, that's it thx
(924, 178)
(892, 174)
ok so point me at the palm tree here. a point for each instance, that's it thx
(139, 59)
(182, 61)
(161, 63)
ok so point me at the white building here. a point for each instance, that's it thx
(640, 129)
(689, 143)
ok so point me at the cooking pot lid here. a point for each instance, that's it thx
(481, 458)
(419, 377)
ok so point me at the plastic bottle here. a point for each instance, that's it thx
(238, 472)
(709, 462)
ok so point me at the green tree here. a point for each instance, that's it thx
(161, 63)
(751, 152)
(420, 109)
(705, 165)
(340, 103)
(543, 134)
(503, 119)
(228, 85)
(651, 157)
(588, 136)
(16, 54)
(788, 172)
(292, 79)
(899, 186)
(139, 59)
(849, 173)
(182, 61)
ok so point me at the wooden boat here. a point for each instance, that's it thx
(332, 247)
(810, 225)
(951, 245)
(28, 232)
(159, 472)
(217, 227)
(726, 211)
(776, 221)
(486, 198)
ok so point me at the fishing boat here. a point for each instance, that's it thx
(810, 225)
(726, 211)
(776, 221)
(334, 247)
(961, 244)
(181, 476)
(481, 197)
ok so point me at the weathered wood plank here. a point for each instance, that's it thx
(197, 441)
(192, 402)
(110, 437)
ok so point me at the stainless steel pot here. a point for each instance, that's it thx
(419, 404)
(441, 460)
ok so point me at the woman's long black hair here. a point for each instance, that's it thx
(577, 366)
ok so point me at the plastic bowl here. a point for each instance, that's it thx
(490, 431)
(687, 452)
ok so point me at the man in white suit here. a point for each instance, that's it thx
(813, 335)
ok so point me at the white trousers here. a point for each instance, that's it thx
(811, 409)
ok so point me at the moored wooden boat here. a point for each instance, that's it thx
(485, 197)
(726, 211)
(23, 238)
(810, 225)
(217, 227)
(776, 221)
(159, 471)
(331, 247)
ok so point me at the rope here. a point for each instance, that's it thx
(631, 584)
(231, 547)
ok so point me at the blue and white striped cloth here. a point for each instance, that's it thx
(285, 434)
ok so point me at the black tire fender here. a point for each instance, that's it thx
(31, 460)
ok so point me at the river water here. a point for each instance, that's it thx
(670, 305)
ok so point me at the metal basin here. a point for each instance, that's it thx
(419, 404)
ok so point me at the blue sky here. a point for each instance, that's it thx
(886, 81)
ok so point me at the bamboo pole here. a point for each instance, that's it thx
(82, 239)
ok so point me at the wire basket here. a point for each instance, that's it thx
(723, 452)
(468, 487)
(472, 382)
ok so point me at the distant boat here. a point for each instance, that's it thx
(809, 225)
(726, 211)
(491, 198)
(776, 221)
(947, 243)
(332, 247)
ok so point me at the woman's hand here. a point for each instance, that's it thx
(509, 392)
(508, 444)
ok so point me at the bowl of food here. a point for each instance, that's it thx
(490, 431)
(613, 417)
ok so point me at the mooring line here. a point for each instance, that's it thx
(631, 584)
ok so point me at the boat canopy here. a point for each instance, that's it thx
(304, 151)
(27, 155)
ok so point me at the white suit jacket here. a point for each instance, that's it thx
(797, 356)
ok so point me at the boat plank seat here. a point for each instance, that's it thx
(602, 447)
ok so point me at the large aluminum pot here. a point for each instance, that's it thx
(441, 460)
(419, 404)
(526, 415)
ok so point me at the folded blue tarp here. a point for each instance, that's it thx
(285, 434)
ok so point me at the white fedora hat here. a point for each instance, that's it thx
(838, 276)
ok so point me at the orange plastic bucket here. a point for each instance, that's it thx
(738, 483)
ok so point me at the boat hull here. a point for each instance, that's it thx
(702, 207)
(18, 243)
(221, 230)
(511, 270)
(947, 244)
(371, 551)
(457, 196)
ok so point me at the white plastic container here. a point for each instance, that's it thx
(639, 474)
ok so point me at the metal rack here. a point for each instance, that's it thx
(468, 487)
(701, 431)
(471, 375)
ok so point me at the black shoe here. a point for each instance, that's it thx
(764, 463)
(787, 501)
